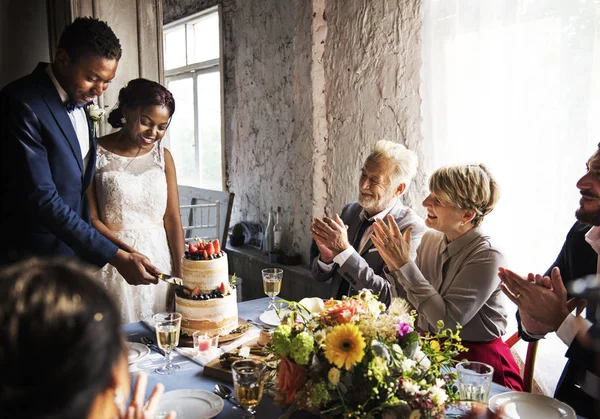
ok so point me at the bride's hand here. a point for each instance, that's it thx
(137, 409)
(393, 246)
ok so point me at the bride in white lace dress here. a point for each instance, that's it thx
(134, 200)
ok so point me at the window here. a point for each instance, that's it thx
(514, 85)
(192, 51)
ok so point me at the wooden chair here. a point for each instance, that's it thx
(529, 361)
(205, 213)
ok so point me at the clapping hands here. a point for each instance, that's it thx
(542, 301)
(331, 237)
(393, 246)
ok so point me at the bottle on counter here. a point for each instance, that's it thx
(277, 232)
(267, 242)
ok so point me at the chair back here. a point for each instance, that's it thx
(529, 362)
(205, 213)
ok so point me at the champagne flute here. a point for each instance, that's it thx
(248, 380)
(167, 326)
(272, 284)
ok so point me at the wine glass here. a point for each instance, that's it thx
(272, 284)
(167, 326)
(248, 380)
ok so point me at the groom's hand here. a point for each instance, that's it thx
(135, 268)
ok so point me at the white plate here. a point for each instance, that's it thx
(517, 405)
(190, 404)
(270, 317)
(136, 352)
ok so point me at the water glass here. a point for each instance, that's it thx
(248, 380)
(272, 284)
(474, 381)
(167, 327)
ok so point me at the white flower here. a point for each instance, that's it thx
(374, 308)
(334, 376)
(408, 365)
(438, 396)
(397, 348)
(421, 358)
(320, 336)
(313, 304)
(410, 387)
(96, 113)
(440, 383)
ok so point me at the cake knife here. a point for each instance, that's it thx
(173, 280)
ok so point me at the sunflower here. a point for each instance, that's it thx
(344, 346)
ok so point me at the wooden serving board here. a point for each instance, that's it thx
(214, 368)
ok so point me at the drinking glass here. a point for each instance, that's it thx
(167, 326)
(474, 382)
(204, 343)
(248, 377)
(272, 284)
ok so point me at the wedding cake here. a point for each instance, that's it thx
(207, 302)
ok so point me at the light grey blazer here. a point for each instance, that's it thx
(365, 270)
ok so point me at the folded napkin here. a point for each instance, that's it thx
(205, 357)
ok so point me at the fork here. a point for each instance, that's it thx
(150, 344)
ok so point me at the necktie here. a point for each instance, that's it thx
(361, 231)
(345, 285)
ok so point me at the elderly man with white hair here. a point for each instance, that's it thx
(342, 250)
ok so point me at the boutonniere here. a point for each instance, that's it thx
(96, 114)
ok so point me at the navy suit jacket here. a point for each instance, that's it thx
(577, 259)
(44, 209)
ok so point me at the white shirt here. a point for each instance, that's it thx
(78, 119)
(342, 257)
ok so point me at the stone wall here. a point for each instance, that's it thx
(310, 86)
(372, 61)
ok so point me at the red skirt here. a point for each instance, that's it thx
(497, 354)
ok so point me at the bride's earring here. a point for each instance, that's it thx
(123, 120)
(119, 400)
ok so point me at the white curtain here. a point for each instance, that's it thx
(516, 85)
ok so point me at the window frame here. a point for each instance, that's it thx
(193, 71)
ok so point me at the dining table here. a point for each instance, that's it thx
(190, 374)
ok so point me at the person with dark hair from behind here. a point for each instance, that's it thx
(49, 153)
(545, 306)
(62, 352)
(133, 198)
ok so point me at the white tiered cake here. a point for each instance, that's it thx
(208, 303)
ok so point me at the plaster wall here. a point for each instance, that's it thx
(310, 86)
(372, 61)
(268, 109)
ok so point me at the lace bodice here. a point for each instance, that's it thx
(132, 199)
(131, 191)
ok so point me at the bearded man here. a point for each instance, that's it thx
(545, 305)
(342, 250)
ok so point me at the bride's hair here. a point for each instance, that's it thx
(60, 337)
(137, 93)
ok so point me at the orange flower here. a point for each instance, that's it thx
(340, 312)
(290, 378)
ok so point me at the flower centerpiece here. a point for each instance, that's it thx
(352, 358)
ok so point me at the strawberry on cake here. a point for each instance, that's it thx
(207, 302)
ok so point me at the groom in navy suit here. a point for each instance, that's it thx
(49, 153)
